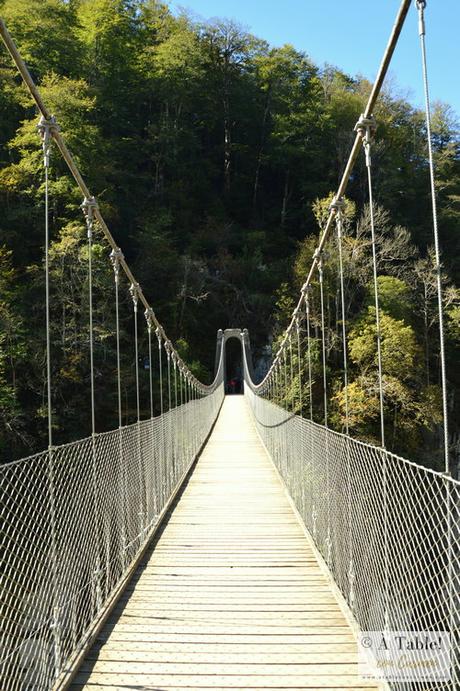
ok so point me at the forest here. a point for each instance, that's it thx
(214, 157)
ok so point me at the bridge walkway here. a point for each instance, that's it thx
(231, 595)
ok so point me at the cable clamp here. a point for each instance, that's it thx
(116, 255)
(134, 290)
(89, 206)
(319, 255)
(46, 128)
(298, 321)
(337, 204)
(421, 5)
(366, 126)
(150, 318)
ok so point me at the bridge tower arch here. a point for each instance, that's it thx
(242, 336)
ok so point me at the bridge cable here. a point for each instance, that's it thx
(134, 290)
(150, 324)
(339, 205)
(365, 127)
(310, 384)
(115, 259)
(160, 374)
(421, 5)
(306, 294)
(292, 373)
(168, 358)
(299, 362)
(326, 423)
(45, 128)
(88, 207)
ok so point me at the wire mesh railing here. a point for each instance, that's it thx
(388, 529)
(73, 521)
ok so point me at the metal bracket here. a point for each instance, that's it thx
(159, 337)
(134, 289)
(88, 207)
(366, 126)
(337, 205)
(150, 318)
(115, 256)
(46, 128)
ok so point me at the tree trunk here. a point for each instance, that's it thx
(259, 156)
(427, 342)
(285, 200)
(227, 144)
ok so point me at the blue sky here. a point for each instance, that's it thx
(352, 35)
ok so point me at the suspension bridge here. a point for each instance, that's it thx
(228, 542)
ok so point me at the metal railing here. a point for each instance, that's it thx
(74, 519)
(388, 529)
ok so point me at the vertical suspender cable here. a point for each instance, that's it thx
(115, 259)
(160, 364)
(88, 207)
(170, 436)
(299, 358)
(323, 340)
(339, 204)
(151, 468)
(134, 292)
(163, 438)
(310, 385)
(176, 434)
(44, 129)
(365, 128)
(150, 324)
(421, 4)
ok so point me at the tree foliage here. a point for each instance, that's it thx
(212, 155)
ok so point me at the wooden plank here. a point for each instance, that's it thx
(107, 654)
(261, 668)
(232, 595)
(323, 645)
(157, 681)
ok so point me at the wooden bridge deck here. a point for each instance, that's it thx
(231, 596)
